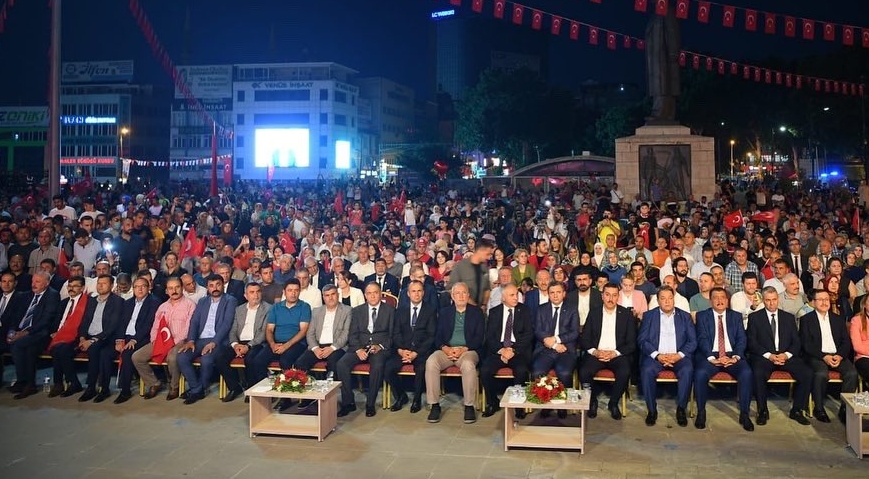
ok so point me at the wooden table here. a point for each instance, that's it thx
(544, 437)
(265, 420)
(858, 439)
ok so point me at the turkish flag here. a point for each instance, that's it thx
(836, 87)
(500, 5)
(799, 82)
(817, 85)
(661, 7)
(556, 25)
(163, 342)
(769, 23)
(339, 202)
(778, 76)
(477, 6)
(847, 35)
(695, 62)
(682, 9)
(855, 220)
(626, 43)
(721, 67)
(536, 19)
(682, 59)
(734, 220)
(518, 13)
(227, 172)
(734, 68)
(790, 26)
(703, 12)
(640, 5)
(789, 80)
(826, 86)
(574, 31)
(864, 33)
(611, 40)
(808, 29)
(592, 35)
(854, 89)
(756, 74)
(287, 243)
(641, 44)
(729, 14)
(765, 216)
(767, 76)
(829, 32)
(751, 20)
(62, 264)
(708, 64)
(190, 244)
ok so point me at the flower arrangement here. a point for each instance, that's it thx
(291, 381)
(545, 389)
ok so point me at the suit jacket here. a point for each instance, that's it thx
(532, 301)
(56, 282)
(650, 332)
(259, 324)
(340, 328)
(112, 316)
(429, 295)
(390, 283)
(475, 328)
(707, 333)
(143, 322)
(44, 316)
(236, 290)
(595, 301)
(14, 312)
(626, 330)
(523, 330)
(760, 334)
(810, 335)
(568, 325)
(360, 338)
(804, 261)
(420, 337)
(222, 324)
(323, 278)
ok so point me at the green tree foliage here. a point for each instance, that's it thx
(615, 123)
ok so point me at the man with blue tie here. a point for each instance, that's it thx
(721, 343)
(667, 340)
(209, 328)
(557, 332)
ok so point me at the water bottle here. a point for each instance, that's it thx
(330, 379)
(46, 384)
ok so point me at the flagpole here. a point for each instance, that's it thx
(52, 157)
(213, 159)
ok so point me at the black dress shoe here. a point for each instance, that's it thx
(153, 391)
(232, 394)
(799, 417)
(435, 414)
(16, 388)
(72, 391)
(651, 418)
(681, 417)
(821, 415)
(56, 390)
(700, 420)
(415, 406)
(123, 397)
(346, 409)
(88, 395)
(841, 413)
(25, 392)
(173, 394)
(592, 410)
(521, 414)
(184, 395)
(102, 396)
(562, 414)
(470, 415)
(399, 403)
(745, 422)
(615, 412)
(762, 417)
(491, 409)
(193, 397)
(370, 411)
(544, 413)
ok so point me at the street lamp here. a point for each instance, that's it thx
(124, 131)
(732, 142)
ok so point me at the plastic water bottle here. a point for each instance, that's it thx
(46, 384)
(330, 380)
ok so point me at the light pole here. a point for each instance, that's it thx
(732, 142)
(124, 131)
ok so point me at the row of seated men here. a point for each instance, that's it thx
(216, 331)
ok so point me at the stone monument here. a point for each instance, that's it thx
(663, 152)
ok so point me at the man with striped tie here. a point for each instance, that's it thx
(28, 338)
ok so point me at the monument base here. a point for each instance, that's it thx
(666, 158)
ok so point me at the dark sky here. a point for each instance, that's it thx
(376, 37)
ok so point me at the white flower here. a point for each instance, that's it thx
(549, 387)
(294, 383)
(542, 382)
(282, 377)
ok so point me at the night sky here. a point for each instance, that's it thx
(376, 37)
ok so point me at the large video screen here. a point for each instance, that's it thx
(282, 147)
(342, 154)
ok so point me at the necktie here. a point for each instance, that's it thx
(69, 309)
(508, 329)
(2, 305)
(413, 317)
(372, 319)
(555, 320)
(28, 316)
(722, 351)
(797, 265)
(380, 282)
(773, 326)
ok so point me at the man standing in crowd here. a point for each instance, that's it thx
(474, 273)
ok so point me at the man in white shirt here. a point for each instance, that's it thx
(505, 277)
(86, 249)
(640, 249)
(703, 266)
(77, 269)
(749, 299)
(246, 339)
(363, 267)
(309, 294)
(681, 301)
(137, 318)
(191, 289)
(779, 269)
(62, 209)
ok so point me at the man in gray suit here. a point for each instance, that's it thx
(246, 338)
(370, 340)
(328, 332)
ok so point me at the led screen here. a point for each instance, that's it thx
(342, 155)
(282, 147)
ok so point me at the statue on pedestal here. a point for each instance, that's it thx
(663, 41)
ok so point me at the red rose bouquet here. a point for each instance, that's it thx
(291, 381)
(545, 389)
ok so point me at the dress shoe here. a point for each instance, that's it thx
(122, 397)
(470, 415)
(183, 395)
(88, 395)
(841, 413)
(821, 415)
(56, 390)
(681, 417)
(745, 422)
(72, 390)
(173, 394)
(592, 410)
(491, 409)
(193, 397)
(435, 414)
(762, 417)
(370, 411)
(153, 391)
(700, 420)
(399, 403)
(102, 396)
(25, 392)
(346, 409)
(615, 412)
(232, 394)
(247, 399)
(799, 417)
(562, 414)
(521, 414)
(544, 413)
(415, 406)
(16, 388)
(651, 418)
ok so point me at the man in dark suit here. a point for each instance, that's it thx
(246, 339)
(774, 345)
(509, 339)
(412, 338)
(610, 339)
(319, 278)
(29, 334)
(209, 328)
(96, 338)
(370, 339)
(537, 297)
(13, 305)
(556, 332)
(64, 341)
(459, 338)
(387, 282)
(827, 347)
(667, 340)
(50, 266)
(584, 298)
(232, 287)
(721, 343)
(133, 332)
(430, 293)
(797, 261)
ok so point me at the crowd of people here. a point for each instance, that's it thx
(340, 273)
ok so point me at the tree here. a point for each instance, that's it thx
(615, 123)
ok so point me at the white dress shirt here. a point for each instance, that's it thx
(607, 333)
(667, 343)
(727, 346)
(828, 344)
(131, 326)
(327, 334)
(247, 330)
(504, 324)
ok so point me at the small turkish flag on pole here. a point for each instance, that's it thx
(751, 20)
(727, 19)
(499, 8)
(682, 9)
(536, 19)
(847, 35)
(592, 36)
(477, 6)
(790, 26)
(518, 13)
(611, 40)
(574, 31)
(555, 29)
(641, 5)
(733, 220)
(661, 7)
(163, 342)
(808, 29)
(829, 32)
(703, 12)
(769, 23)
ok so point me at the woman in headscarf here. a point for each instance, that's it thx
(599, 258)
(838, 304)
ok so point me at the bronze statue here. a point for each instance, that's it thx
(663, 41)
